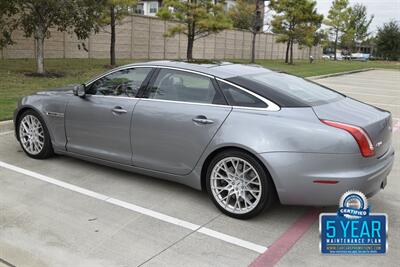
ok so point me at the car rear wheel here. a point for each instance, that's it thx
(238, 184)
(34, 136)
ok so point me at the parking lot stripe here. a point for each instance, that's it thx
(54, 181)
(138, 209)
(232, 240)
(396, 127)
(384, 104)
(5, 133)
(357, 93)
(283, 244)
(153, 214)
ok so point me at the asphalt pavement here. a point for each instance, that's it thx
(67, 212)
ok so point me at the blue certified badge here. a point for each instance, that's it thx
(353, 229)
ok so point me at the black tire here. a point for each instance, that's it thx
(268, 189)
(47, 149)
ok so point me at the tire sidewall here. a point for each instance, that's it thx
(47, 149)
(266, 183)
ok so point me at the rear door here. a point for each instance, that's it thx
(175, 121)
(99, 124)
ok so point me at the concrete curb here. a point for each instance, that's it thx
(339, 74)
(6, 126)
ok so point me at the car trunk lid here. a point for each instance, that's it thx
(377, 123)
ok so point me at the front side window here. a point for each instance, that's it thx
(125, 82)
(185, 87)
(240, 98)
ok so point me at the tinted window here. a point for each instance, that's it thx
(184, 86)
(120, 83)
(296, 88)
(237, 97)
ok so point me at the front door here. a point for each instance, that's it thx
(98, 125)
(174, 123)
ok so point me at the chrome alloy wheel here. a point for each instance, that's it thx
(31, 134)
(236, 185)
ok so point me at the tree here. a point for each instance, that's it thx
(6, 9)
(388, 40)
(338, 19)
(242, 14)
(113, 11)
(313, 37)
(196, 19)
(36, 17)
(293, 20)
(247, 15)
(356, 30)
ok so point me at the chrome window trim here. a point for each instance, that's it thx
(186, 70)
(271, 106)
(185, 102)
(114, 96)
(146, 66)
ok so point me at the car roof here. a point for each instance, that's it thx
(222, 70)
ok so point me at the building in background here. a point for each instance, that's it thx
(150, 7)
(268, 16)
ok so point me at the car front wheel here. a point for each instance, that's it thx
(238, 184)
(34, 136)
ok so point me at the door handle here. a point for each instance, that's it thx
(202, 120)
(119, 110)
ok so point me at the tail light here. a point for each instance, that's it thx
(362, 138)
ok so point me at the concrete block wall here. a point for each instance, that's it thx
(141, 37)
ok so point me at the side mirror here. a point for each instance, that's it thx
(79, 90)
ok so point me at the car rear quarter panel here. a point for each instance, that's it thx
(297, 148)
(287, 130)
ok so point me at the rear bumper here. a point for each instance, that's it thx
(294, 173)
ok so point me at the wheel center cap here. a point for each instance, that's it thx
(238, 185)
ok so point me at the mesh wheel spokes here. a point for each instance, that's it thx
(31, 134)
(236, 185)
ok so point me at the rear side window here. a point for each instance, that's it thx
(240, 98)
(296, 88)
(184, 86)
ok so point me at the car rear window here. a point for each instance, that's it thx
(296, 88)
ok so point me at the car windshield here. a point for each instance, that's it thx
(297, 88)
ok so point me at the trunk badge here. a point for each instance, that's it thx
(378, 144)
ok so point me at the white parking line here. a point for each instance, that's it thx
(5, 133)
(138, 209)
(383, 104)
(232, 240)
(356, 93)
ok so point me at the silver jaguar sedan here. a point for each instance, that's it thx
(245, 134)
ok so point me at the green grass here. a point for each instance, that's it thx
(14, 83)
(305, 69)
